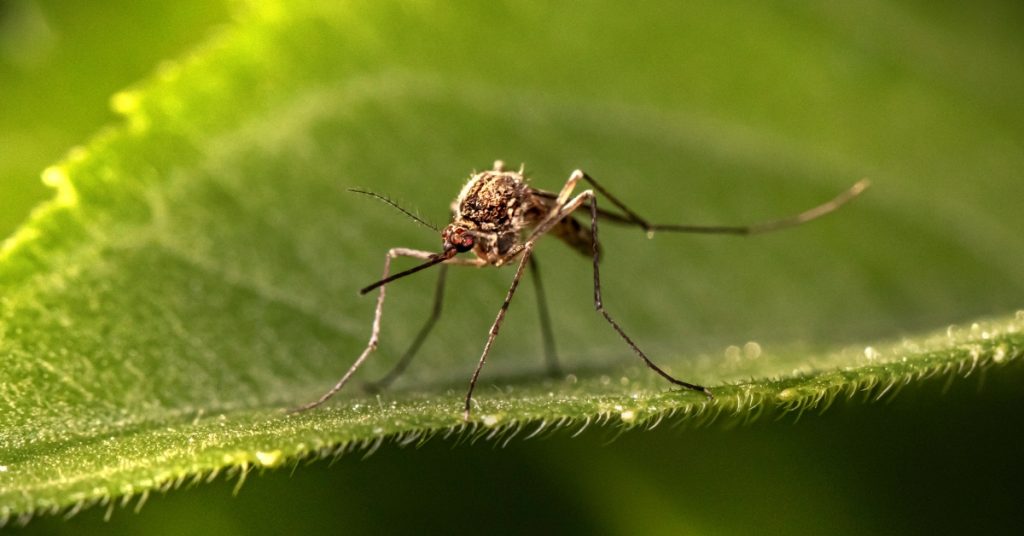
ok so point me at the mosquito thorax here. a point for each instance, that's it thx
(493, 201)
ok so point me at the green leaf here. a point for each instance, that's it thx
(58, 68)
(197, 271)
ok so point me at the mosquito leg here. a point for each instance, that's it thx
(566, 191)
(526, 252)
(599, 304)
(403, 363)
(763, 227)
(630, 215)
(545, 322)
(587, 198)
(374, 331)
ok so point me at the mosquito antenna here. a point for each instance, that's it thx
(384, 199)
(438, 259)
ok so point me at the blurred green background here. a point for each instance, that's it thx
(927, 462)
(59, 64)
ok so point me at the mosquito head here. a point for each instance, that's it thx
(458, 237)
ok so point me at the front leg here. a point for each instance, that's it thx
(374, 331)
(527, 251)
(435, 314)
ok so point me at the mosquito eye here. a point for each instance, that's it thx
(463, 242)
(458, 238)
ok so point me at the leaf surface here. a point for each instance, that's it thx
(197, 271)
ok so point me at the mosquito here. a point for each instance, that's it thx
(499, 217)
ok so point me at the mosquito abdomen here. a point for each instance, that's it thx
(576, 236)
